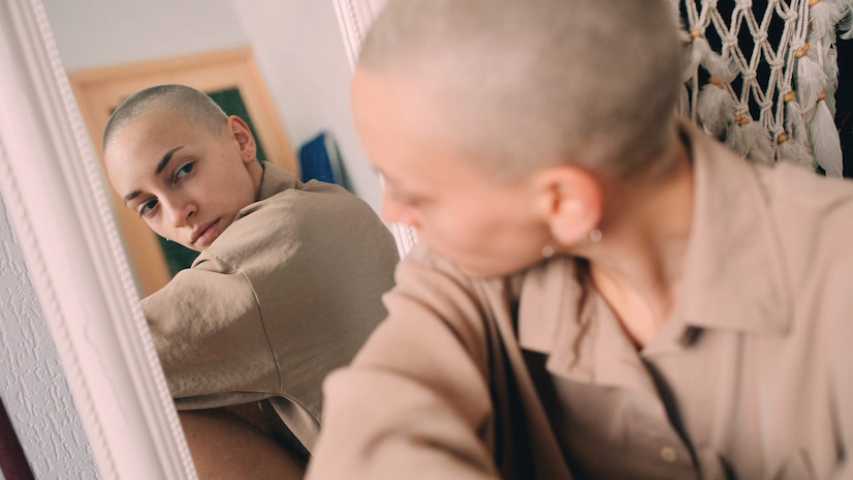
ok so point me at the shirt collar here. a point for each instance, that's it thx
(733, 276)
(275, 180)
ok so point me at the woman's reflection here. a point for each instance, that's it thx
(286, 288)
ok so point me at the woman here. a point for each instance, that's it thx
(602, 291)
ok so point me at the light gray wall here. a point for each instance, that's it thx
(301, 53)
(32, 384)
(298, 45)
(97, 33)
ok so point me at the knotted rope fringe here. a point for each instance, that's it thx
(796, 107)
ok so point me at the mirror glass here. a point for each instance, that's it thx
(282, 68)
(249, 336)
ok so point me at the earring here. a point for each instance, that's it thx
(595, 236)
(548, 251)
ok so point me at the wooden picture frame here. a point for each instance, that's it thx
(100, 90)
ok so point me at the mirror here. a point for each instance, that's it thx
(288, 81)
(232, 52)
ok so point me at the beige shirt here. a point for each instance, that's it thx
(531, 376)
(288, 292)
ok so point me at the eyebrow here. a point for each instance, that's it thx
(130, 196)
(164, 162)
(161, 165)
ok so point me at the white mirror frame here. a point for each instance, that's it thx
(56, 197)
(355, 17)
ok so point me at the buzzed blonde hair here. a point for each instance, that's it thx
(194, 104)
(535, 83)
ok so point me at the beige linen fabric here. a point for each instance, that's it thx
(531, 376)
(288, 292)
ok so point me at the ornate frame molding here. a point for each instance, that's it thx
(354, 17)
(77, 264)
(57, 201)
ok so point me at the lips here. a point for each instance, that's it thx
(205, 234)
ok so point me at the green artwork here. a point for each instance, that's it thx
(177, 256)
(231, 102)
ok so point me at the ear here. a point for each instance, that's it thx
(571, 200)
(245, 140)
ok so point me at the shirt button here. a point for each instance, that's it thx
(668, 454)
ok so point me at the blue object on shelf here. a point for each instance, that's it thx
(320, 159)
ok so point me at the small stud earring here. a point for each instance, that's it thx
(595, 236)
(548, 251)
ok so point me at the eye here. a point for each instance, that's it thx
(147, 208)
(182, 172)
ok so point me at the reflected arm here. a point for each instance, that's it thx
(209, 336)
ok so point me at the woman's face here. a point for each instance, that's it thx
(484, 226)
(185, 182)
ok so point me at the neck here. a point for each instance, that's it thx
(638, 264)
(256, 172)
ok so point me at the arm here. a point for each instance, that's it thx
(415, 402)
(225, 447)
(207, 329)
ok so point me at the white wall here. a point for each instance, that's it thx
(96, 33)
(300, 50)
(32, 384)
(298, 45)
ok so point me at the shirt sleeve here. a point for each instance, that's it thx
(207, 328)
(415, 402)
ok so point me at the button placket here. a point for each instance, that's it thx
(668, 454)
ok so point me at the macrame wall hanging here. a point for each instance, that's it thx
(762, 76)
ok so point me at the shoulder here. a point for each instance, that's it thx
(431, 295)
(296, 209)
(813, 219)
(310, 219)
(799, 198)
(813, 216)
(426, 274)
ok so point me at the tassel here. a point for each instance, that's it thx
(846, 25)
(719, 67)
(830, 69)
(751, 140)
(684, 102)
(697, 47)
(826, 142)
(716, 65)
(811, 79)
(716, 108)
(824, 15)
(795, 123)
(792, 151)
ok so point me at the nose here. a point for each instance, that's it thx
(181, 212)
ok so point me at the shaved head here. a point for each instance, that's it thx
(529, 84)
(181, 164)
(195, 105)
